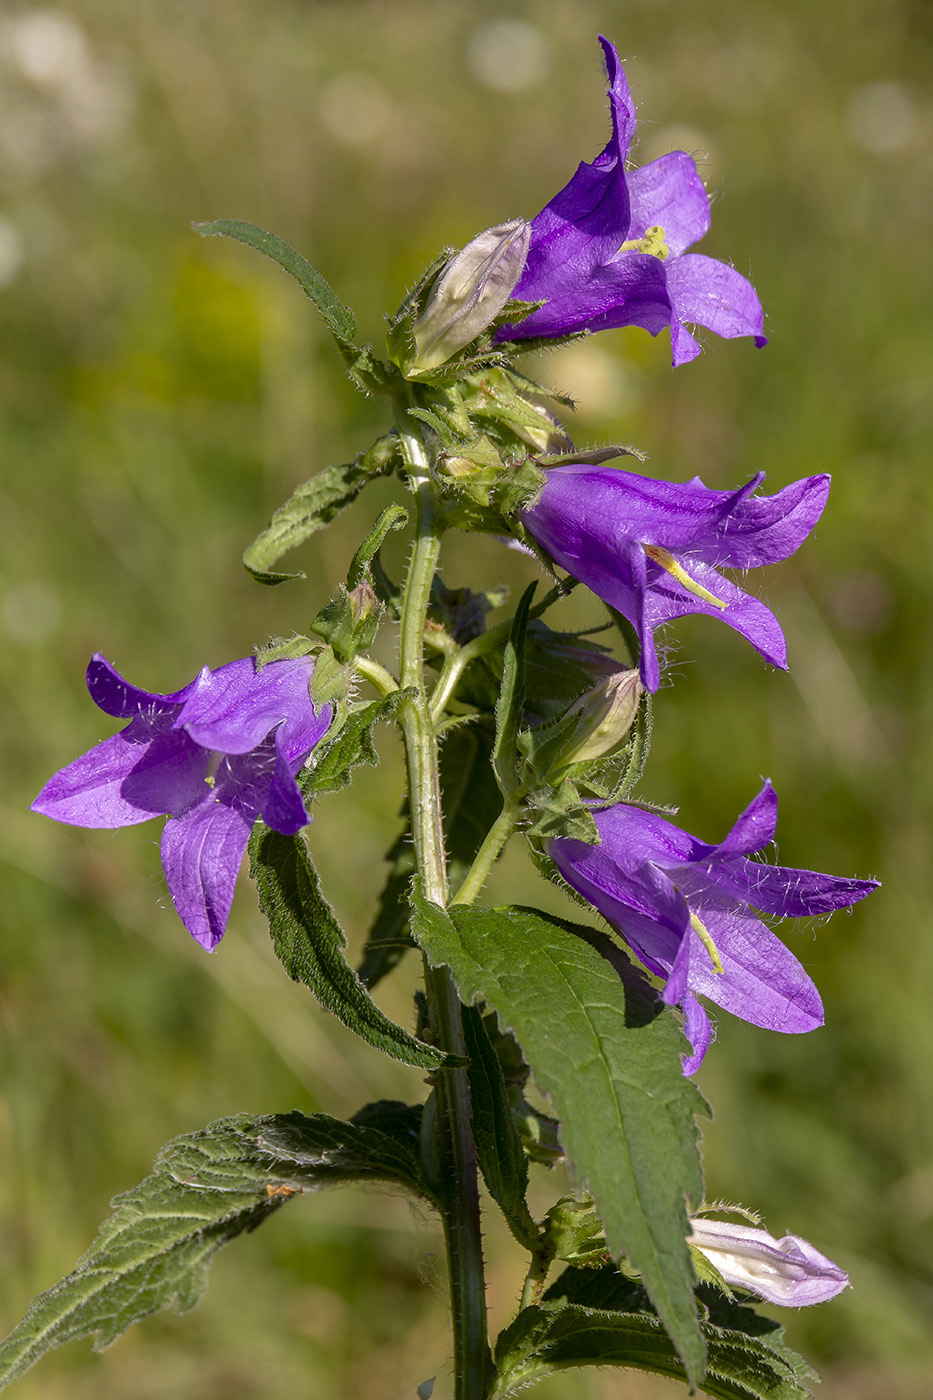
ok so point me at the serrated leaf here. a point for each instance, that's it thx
(607, 1053)
(598, 1318)
(309, 943)
(314, 505)
(338, 317)
(207, 1187)
(511, 702)
(499, 1148)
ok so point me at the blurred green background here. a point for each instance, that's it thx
(161, 395)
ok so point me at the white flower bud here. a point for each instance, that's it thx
(470, 293)
(788, 1271)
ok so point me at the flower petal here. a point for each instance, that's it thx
(669, 192)
(201, 855)
(699, 1031)
(788, 1271)
(127, 779)
(761, 981)
(284, 808)
(115, 696)
(239, 705)
(706, 292)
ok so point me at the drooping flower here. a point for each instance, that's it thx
(652, 549)
(213, 757)
(687, 910)
(610, 249)
(788, 1271)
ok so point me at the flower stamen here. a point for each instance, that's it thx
(669, 563)
(654, 242)
(706, 938)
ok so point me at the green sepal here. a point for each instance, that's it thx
(561, 812)
(599, 1318)
(499, 1149)
(207, 1188)
(573, 1233)
(511, 702)
(285, 649)
(339, 319)
(330, 685)
(607, 1053)
(309, 943)
(315, 504)
(350, 620)
(351, 746)
(400, 342)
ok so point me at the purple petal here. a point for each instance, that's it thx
(666, 600)
(761, 981)
(631, 290)
(698, 1030)
(239, 705)
(669, 192)
(582, 227)
(115, 696)
(788, 1271)
(706, 292)
(127, 779)
(201, 855)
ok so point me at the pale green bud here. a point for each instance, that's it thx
(470, 292)
(593, 727)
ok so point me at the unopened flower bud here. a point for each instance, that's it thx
(470, 293)
(593, 727)
(788, 1271)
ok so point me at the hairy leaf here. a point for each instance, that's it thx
(747, 1359)
(607, 1053)
(206, 1188)
(351, 747)
(309, 943)
(499, 1148)
(314, 505)
(339, 318)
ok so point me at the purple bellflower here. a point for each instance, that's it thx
(788, 1271)
(610, 249)
(687, 911)
(213, 757)
(652, 549)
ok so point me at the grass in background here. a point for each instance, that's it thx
(161, 395)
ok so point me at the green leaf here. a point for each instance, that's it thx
(602, 1319)
(351, 746)
(207, 1187)
(511, 701)
(309, 943)
(339, 318)
(389, 938)
(607, 1053)
(394, 517)
(499, 1148)
(314, 505)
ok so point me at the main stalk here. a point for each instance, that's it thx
(457, 1155)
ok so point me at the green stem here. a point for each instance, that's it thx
(487, 855)
(379, 678)
(457, 661)
(458, 1184)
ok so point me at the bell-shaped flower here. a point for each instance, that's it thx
(788, 1271)
(653, 549)
(213, 757)
(610, 249)
(688, 911)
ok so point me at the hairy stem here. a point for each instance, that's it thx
(487, 855)
(458, 1176)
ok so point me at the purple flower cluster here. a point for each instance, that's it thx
(687, 910)
(213, 757)
(610, 249)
